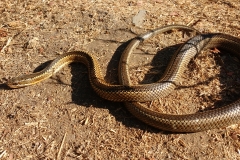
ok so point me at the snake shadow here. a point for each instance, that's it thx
(229, 78)
(84, 95)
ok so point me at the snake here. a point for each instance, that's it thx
(132, 95)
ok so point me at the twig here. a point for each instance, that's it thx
(3, 153)
(7, 44)
(61, 147)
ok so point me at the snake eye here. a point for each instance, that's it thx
(12, 83)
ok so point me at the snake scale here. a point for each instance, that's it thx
(132, 95)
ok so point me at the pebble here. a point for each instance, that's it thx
(139, 18)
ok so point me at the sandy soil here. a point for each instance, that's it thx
(62, 117)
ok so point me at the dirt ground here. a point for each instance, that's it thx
(63, 118)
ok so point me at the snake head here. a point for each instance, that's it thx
(18, 82)
(13, 83)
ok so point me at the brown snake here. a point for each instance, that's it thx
(136, 93)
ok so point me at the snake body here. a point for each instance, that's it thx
(131, 95)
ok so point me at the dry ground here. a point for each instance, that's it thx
(62, 118)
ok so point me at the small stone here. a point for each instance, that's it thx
(139, 18)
